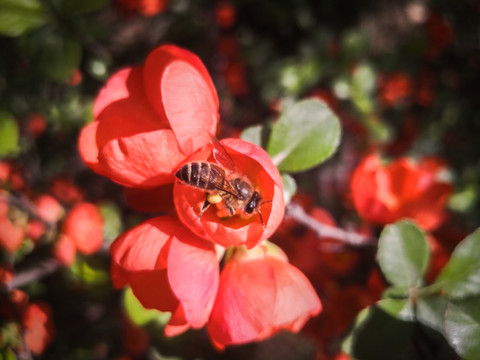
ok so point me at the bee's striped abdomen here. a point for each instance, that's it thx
(202, 175)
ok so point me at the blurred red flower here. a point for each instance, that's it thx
(66, 191)
(36, 124)
(253, 163)
(149, 118)
(439, 33)
(394, 89)
(225, 14)
(48, 208)
(383, 194)
(82, 230)
(169, 269)
(259, 294)
(39, 327)
(11, 233)
(145, 7)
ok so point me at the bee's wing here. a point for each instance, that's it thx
(221, 156)
(228, 188)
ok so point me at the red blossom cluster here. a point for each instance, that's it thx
(383, 194)
(32, 321)
(60, 215)
(150, 120)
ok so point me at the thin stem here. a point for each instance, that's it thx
(296, 212)
(42, 269)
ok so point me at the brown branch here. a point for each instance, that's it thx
(296, 212)
(36, 273)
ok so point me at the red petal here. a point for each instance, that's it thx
(244, 301)
(178, 323)
(296, 299)
(129, 143)
(159, 199)
(139, 249)
(193, 273)
(88, 147)
(364, 191)
(143, 160)
(151, 288)
(259, 297)
(180, 89)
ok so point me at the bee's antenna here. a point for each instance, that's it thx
(261, 219)
(265, 202)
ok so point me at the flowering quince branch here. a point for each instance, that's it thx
(41, 270)
(296, 212)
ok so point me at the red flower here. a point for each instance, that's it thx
(39, 327)
(150, 118)
(383, 194)
(168, 269)
(439, 33)
(64, 190)
(11, 233)
(253, 163)
(48, 208)
(145, 7)
(394, 89)
(225, 14)
(82, 230)
(36, 124)
(259, 294)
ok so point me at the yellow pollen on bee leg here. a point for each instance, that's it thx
(214, 199)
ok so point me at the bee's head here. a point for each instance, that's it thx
(253, 203)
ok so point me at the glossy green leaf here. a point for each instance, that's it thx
(305, 135)
(289, 187)
(379, 334)
(256, 134)
(403, 254)
(461, 275)
(399, 308)
(20, 16)
(430, 311)
(138, 314)
(462, 327)
(8, 134)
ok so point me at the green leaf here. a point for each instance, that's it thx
(112, 225)
(461, 275)
(20, 16)
(256, 134)
(60, 57)
(138, 314)
(462, 327)
(363, 87)
(289, 187)
(403, 254)
(399, 308)
(8, 134)
(379, 335)
(305, 135)
(430, 311)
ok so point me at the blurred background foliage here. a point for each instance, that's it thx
(402, 76)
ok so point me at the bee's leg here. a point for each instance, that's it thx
(230, 208)
(204, 208)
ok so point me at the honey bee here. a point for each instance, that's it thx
(222, 182)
